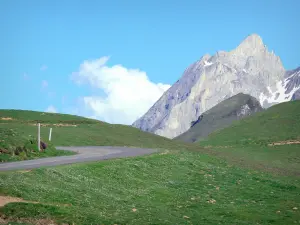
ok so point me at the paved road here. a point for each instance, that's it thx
(85, 154)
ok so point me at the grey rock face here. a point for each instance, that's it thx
(293, 86)
(250, 68)
(296, 95)
(244, 111)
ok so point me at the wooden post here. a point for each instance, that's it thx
(50, 134)
(39, 136)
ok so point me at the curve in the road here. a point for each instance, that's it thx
(85, 154)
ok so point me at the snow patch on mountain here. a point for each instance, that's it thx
(282, 92)
(207, 63)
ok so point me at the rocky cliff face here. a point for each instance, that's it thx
(296, 95)
(250, 68)
(294, 84)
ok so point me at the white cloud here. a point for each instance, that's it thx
(44, 84)
(51, 109)
(43, 67)
(128, 92)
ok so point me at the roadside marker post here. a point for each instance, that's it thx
(50, 133)
(39, 136)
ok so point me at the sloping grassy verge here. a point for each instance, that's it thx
(172, 188)
(17, 127)
(252, 142)
(278, 123)
(279, 160)
(16, 145)
(74, 130)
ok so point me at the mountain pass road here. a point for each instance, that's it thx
(84, 154)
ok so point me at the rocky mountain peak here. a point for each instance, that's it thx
(250, 46)
(250, 68)
(250, 54)
(206, 57)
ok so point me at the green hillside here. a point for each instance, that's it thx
(220, 116)
(27, 116)
(278, 123)
(169, 188)
(240, 184)
(18, 128)
(268, 140)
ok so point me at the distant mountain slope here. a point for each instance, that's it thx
(250, 68)
(280, 122)
(221, 116)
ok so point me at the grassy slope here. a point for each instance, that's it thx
(278, 123)
(16, 132)
(218, 117)
(173, 188)
(247, 140)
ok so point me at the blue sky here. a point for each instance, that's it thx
(84, 57)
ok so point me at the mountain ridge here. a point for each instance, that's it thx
(249, 68)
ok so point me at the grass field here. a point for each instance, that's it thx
(172, 188)
(236, 181)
